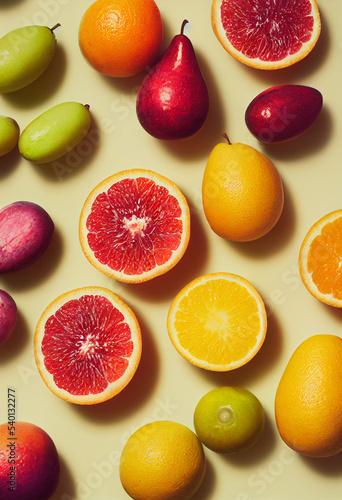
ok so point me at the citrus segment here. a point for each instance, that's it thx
(320, 259)
(87, 345)
(217, 322)
(135, 225)
(120, 38)
(266, 34)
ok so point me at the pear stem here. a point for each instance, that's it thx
(226, 137)
(183, 24)
(55, 26)
(87, 106)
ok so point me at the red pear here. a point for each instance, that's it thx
(173, 100)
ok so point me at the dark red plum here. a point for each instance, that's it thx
(283, 112)
(8, 316)
(26, 231)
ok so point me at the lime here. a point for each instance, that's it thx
(229, 419)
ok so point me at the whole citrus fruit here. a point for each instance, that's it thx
(266, 34)
(242, 192)
(162, 460)
(229, 419)
(29, 463)
(308, 400)
(120, 38)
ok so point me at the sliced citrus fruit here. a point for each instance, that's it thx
(217, 322)
(135, 225)
(320, 259)
(266, 34)
(87, 345)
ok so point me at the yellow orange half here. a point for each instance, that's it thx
(217, 322)
(320, 259)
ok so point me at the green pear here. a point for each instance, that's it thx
(25, 53)
(55, 132)
(9, 134)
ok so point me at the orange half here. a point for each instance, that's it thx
(217, 322)
(266, 34)
(320, 259)
(87, 345)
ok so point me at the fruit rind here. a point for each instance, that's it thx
(130, 319)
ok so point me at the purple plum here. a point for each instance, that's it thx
(8, 316)
(283, 112)
(26, 231)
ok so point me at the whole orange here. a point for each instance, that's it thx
(120, 38)
(29, 462)
(308, 400)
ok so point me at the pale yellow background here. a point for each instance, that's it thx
(90, 439)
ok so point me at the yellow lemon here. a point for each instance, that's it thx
(163, 460)
(242, 192)
(308, 400)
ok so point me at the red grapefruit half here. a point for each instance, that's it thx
(135, 225)
(266, 34)
(87, 345)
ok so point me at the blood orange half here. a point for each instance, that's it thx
(135, 225)
(87, 345)
(266, 34)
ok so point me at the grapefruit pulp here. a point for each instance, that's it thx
(135, 225)
(266, 34)
(87, 345)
